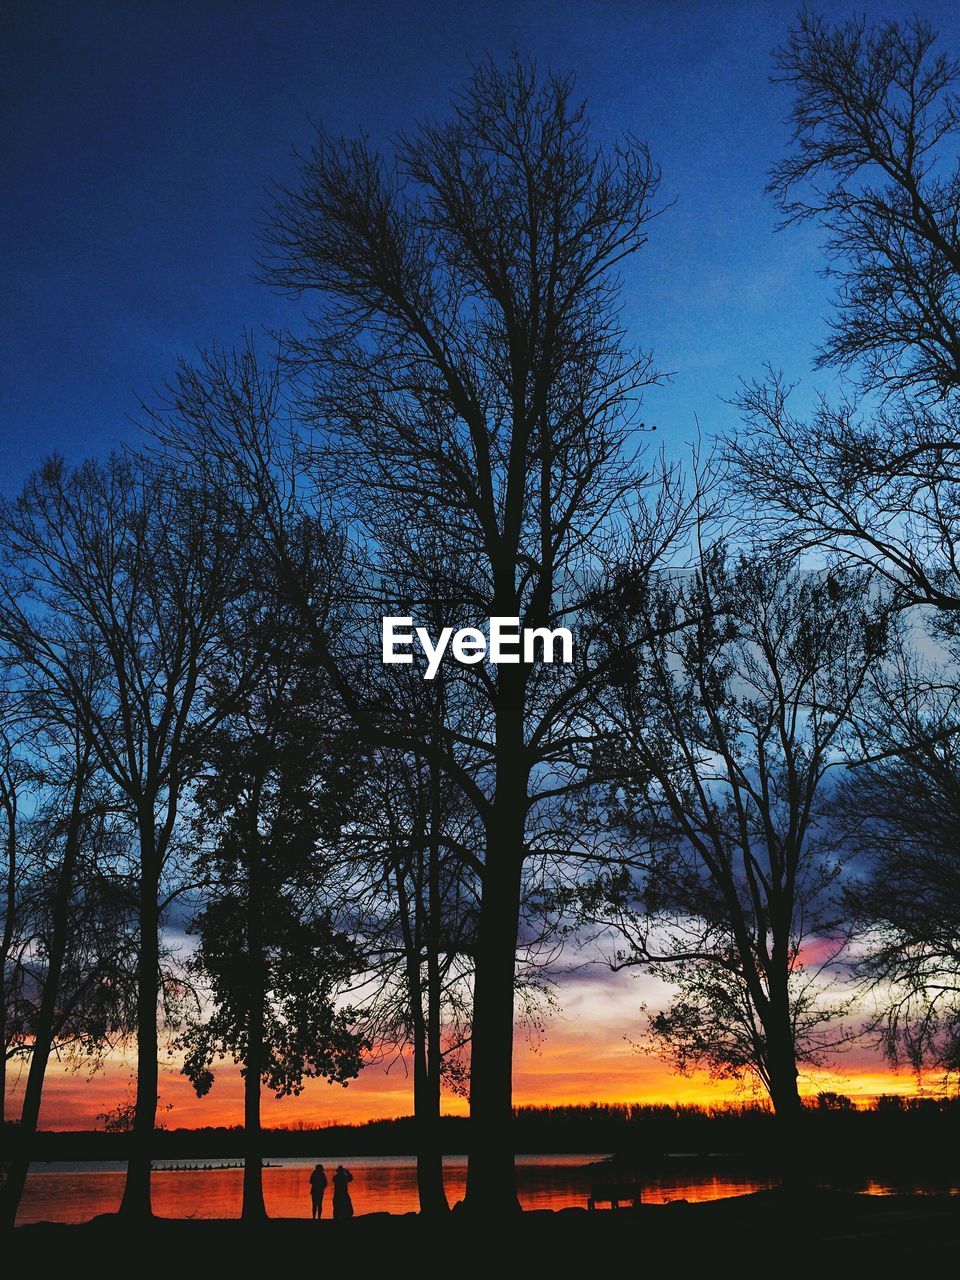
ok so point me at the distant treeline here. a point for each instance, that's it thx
(890, 1129)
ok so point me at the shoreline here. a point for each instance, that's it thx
(778, 1222)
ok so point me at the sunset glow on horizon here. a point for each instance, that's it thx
(556, 1076)
(586, 1054)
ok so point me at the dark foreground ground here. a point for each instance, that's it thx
(783, 1233)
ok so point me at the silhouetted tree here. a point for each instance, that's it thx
(876, 123)
(902, 815)
(281, 773)
(875, 161)
(412, 843)
(416, 845)
(16, 777)
(468, 375)
(140, 569)
(76, 992)
(732, 701)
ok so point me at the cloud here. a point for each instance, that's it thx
(585, 1053)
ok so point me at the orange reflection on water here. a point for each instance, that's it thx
(72, 1193)
(76, 1193)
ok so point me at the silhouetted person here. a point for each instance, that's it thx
(318, 1185)
(342, 1204)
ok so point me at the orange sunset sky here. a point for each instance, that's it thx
(585, 1054)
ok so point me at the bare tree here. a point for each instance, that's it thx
(901, 814)
(414, 867)
(876, 123)
(734, 697)
(74, 993)
(467, 374)
(16, 779)
(875, 160)
(416, 850)
(142, 569)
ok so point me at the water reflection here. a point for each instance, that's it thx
(75, 1193)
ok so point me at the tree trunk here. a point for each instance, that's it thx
(253, 1205)
(433, 1195)
(784, 1093)
(136, 1192)
(430, 1190)
(10, 894)
(779, 1031)
(46, 1018)
(426, 1109)
(491, 1171)
(491, 1174)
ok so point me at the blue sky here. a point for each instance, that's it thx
(137, 141)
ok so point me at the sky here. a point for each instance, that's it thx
(587, 1052)
(138, 143)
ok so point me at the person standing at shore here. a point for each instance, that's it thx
(342, 1204)
(318, 1185)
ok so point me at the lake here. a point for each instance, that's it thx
(62, 1192)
